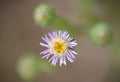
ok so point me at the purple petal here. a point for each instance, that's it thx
(67, 36)
(64, 34)
(72, 44)
(50, 34)
(54, 61)
(73, 52)
(46, 56)
(68, 55)
(61, 61)
(51, 58)
(45, 51)
(64, 61)
(69, 39)
(54, 34)
(72, 55)
(43, 44)
(46, 38)
(70, 59)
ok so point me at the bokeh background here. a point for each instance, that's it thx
(20, 36)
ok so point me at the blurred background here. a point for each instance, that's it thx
(20, 37)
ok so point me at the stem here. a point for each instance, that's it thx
(62, 24)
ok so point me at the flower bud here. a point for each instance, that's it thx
(44, 15)
(27, 67)
(101, 34)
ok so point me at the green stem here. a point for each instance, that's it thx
(62, 24)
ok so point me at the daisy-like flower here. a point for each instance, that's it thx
(59, 47)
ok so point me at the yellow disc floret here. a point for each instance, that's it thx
(59, 47)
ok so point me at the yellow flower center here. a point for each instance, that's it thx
(59, 48)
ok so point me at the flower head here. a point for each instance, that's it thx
(59, 47)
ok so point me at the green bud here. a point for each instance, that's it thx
(101, 34)
(30, 66)
(27, 67)
(44, 15)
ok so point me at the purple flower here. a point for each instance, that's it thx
(59, 47)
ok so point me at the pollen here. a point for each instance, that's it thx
(59, 47)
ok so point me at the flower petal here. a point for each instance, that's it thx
(61, 61)
(64, 61)
(51, 58)
(43, 44)
(55, 61)
(45, 51)
(73, 52)
(46, 56)
(70, 59)
(44, 39)
(47, 39)
(51, 35)
(64, 34)
(72, 55)
(54, 34)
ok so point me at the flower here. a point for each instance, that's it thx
(59, 47)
